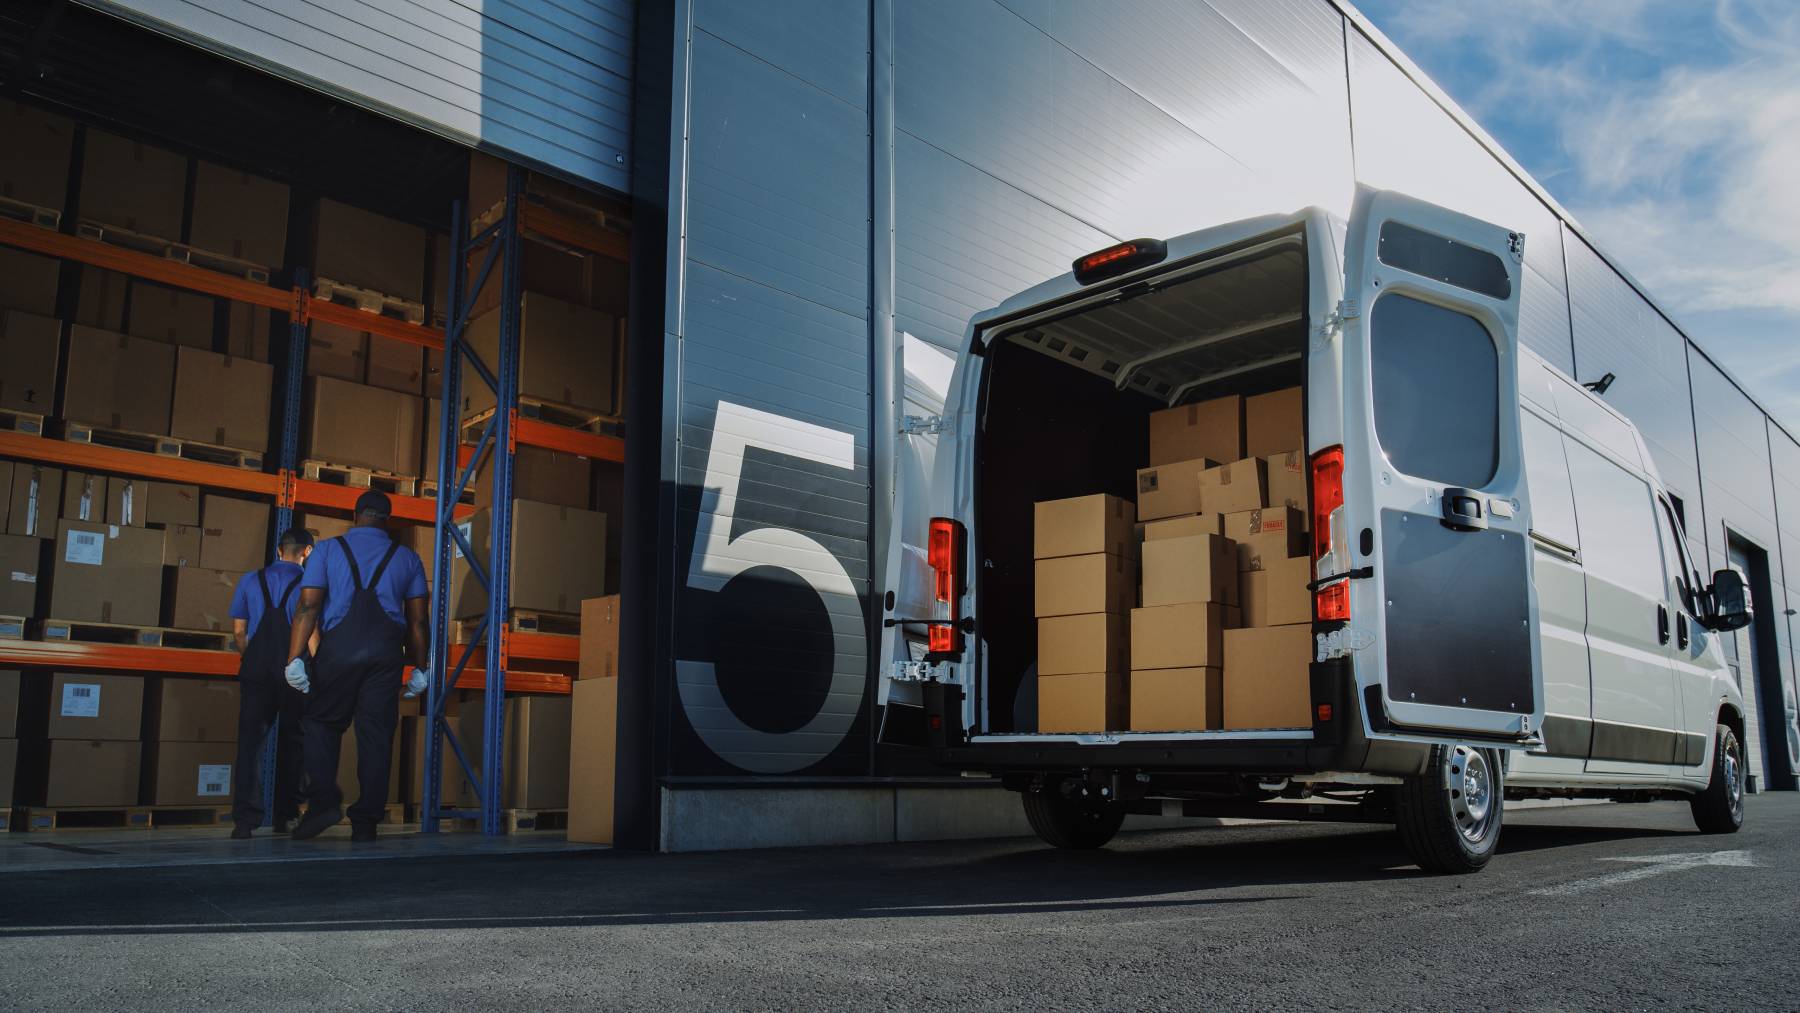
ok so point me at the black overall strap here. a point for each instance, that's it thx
(393, 547)
(350, 557)
(262, 580)
(285, 595)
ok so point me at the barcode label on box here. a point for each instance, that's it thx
(21, 577)
(468, 532)
(85, 547)
(81, 700)
(215, 780)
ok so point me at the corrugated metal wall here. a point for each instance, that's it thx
(548, 83)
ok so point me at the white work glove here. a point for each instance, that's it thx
(417, 681)
(296, 675)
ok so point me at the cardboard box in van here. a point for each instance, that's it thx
(1080, 525)
(1274, 423)
(1276, 595)
(1181, 527)
(118, 381)
(1288, 481)
(1212, 429)
(1091, 642)
(1096, 582)
(32, 507)
(1176, 699)
(1180, 636)
(1235, 487)
(106, 574)
(28, 346)
(1085, 702)
(1266, 680)
(1268, 534)
(1190, 569)
(1170, 490)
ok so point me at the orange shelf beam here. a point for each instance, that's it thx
(184, 661)
(89, 457)
(570, 231)
(144, 265)
(519, 682)
(343, 497)
(374, 323)
(544, 646)
(533, 433)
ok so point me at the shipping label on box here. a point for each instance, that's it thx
(1274, 423)
(1177, 699)
(1170, 490)
(214, 781)
(1265, 535)
(1235, 487)
(1192, 569)
(1096, 582)
(1083, 702)
(1094, 642)
(1081, 525)
(1212, 429)
(1267, 680)
(1277, 594)
(1178, 636)
(80, 700)
(1287, 482)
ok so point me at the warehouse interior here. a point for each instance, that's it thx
(225, 304)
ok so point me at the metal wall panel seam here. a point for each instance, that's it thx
(1779, 551)
(887, 369)
(508, 13)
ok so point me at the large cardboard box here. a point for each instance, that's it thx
(323, 526)
(1094, 642)
(33, 506)
(172, 503)
(1170, 490)
(88, 705)
(106, 574)
(28, 282)
(1084, 702)
(239, 215)
(363, 427)
(118, 381)
(558, 559)
(28, 345)
(1274, 423)
(537, 750)
(1235, 487)
(1212, 429)
(1177, 699)
(547, 270)
(1270, 533)
(396, 365)
(222, 400)
(18, 578)
(89, 772)
(190, 773)
(9, 770)
(336, 352)
(1181, 527)
(234, 535)
(368, 250)
(599, 638)
(170, 315)
(566, 354)
(593, 759)
(181, 544)
(1266, 677)
(1096, 582)
(1288, 482)
(133, 185)
(1081, 525)
(34, 164)
(1195, 568)
(100, 298)
(247, 331)
(9, 704)
(1276, 595)
(1187, 635)
(194, 710)
(544, 476)
(199, 599)
(127, 501)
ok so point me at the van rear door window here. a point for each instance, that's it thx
(1444, 260)
(1437, 391)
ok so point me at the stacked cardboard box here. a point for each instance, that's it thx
(28, 346)
(34, 500)
(359, 426)
(28, 282)
(239, 215)
(1085, 587)
(558, 559)
(234, 534)
(174, 316)
(20, 558)
(371, 251)
(593, 724)
(132, 185)
(221, 400)
(1189, 591)
(91, 727)
(566, 354)
(193, 745)
(35, 167)
(117, 381)
(9, 736)
(536, 764)
(107, 574)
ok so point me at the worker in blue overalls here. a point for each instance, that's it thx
(366, 594)
(262, 614)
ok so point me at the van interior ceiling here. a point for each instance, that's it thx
(1065, 401)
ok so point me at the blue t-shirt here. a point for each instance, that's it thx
(247, 600)
(326, 568)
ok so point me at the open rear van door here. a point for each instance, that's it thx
(1436, 512)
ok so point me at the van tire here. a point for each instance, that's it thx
(1720, 808)
(1440, 831)
(1064, 822)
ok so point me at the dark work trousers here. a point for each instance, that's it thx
(264, 696)
(355, 678)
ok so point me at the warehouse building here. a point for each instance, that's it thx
(739, 247)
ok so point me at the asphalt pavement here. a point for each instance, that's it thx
(1608, 906)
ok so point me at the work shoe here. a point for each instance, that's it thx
(285, 826)
(241, 832)
(360, 832)
(316, 822)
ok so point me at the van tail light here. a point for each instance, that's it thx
(944, 551)
(1330, 535)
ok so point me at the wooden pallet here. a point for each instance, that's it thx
(32, 819)
(30, 214)
(79, 632)
(23, 423)
(184, 253)
(358, 478)
(162, 446)
(12, 627)
(560, 624)
(550, 413)
(368, 300)
(429, 490)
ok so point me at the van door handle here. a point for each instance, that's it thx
(1462, 509)
(1681, 630)
(1662, 624)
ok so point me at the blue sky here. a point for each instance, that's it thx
(1670, 129)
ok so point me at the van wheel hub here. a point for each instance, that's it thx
(1470, 784)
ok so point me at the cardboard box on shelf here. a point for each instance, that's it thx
(1081, 525)
(452, 785)
(193, 710)
(221, 400)
(363, 427)
(1096, 582)
(1181, 527)
(1177, 699)
(1170, 490)
(28, 282)
(19, 557)
(116, 381)
(593, 760)
(1094, 642)
(172, 503)
(239, 215)
(9, 703)
(1082, 702)
(88, 705)
(1267, 684)
(106, 574)
(324, 526)
(84, 497)
(558, 559)
(1274, 423)
(36, 167)
(1276, 595)
(599, 657)
(247, 331)
(127, 501)
(1212, 429)
(9, 770)
(234, 535)
(133, 185)
(100, 298)
(347, 780)
(544, 476)
(1235, 487)
(171, 315)
(1190, 569)
(36, 500)
(368, 250)
(537, 750)
(199, 599)
(91, 772)
(566, 354)
(396, 365)
(190, 773)
(181, 544)
(1187, 635)
(337, 352)
(547, 270)
(28, 346)
(1288, 482)
(1265, 535)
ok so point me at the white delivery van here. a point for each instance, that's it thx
(1504, 605)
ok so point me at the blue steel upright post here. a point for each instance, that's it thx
(506, 403)
(293, 375)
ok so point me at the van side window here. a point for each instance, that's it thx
(1618, 524)
(1547, 475)
(1436, 385)
(1680, 568)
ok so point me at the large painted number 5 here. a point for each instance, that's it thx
(718, 558)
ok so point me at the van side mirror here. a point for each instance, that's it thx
(1730, 604)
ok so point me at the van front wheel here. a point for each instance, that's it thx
(1449, 817)
(1720, 808)
(1066, 819)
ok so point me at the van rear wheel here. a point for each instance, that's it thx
(1065, 818)
(1449, 818)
